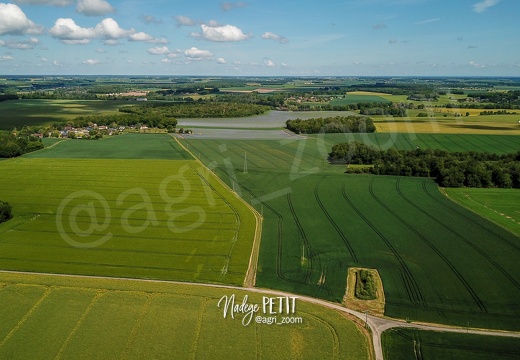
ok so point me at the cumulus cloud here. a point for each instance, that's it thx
(221, 33)
(141, 36)
(233, 5)
(108, 29)
(159, 50)
(44, 2)
(482, 6)
(221, 60)
(184, 21)
(92, 61)
(94, 7)
(13, 21)
(6, 58)
(271, 36)
(197, 54)
(70, 33)
(21, 45)
(269, 63)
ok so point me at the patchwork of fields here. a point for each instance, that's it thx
(81, 318)
(438, 261)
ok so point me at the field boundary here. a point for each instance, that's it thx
(250, 278)
(374, 307)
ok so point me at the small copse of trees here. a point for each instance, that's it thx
(16, 144)
(6, 211)
(365, 285)
(337, 124)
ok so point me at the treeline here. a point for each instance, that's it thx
(197, 109)
(150, 119)
(397, 111)
(5, 97)
(16, 144)
(450, 169)
(499, 112)
(337, 124)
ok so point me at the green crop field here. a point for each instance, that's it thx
(51, 317)
(407, 344)
(126, 146)
(45, 112)
(498, 205)
(438, 261)
(132, 218)
(499, 144)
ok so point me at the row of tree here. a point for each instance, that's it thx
(197, 109)
(16, 144)
(336, 124)
(457, 169)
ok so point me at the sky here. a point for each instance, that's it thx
(260, 37)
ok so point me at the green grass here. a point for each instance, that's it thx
(497, 205)
(126, 146)
(438, 261)
(160, 219)
(404, 344)
(18, 113)
(80, 318)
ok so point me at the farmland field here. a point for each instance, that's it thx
(126, 146)
(123, 217)
(498, 205)
(406, 344)
(438, 261)
(17, 113)
(83, 318)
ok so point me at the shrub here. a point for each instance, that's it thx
(5, 211)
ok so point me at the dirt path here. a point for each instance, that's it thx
(377, 325)
(250, 278)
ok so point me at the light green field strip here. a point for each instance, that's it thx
(85, 318)
(501, 206)
(130, 218)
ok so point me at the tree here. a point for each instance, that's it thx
(5, 211)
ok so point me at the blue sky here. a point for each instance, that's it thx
(261, 37)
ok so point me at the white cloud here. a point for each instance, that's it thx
(166, 61)
(44, 2)
(222, 33)
(94, 7)
(100, 50)
(159, 50)
(276, 37)
(477, 65)
(141, 36)
(21, 45)
(184, 21)
(482, 6)
(221, 60)
(13, 21)
(69, 32)
(269, 63)
(44, 59)
(197, 54)
(92, 61)
(109, 28)
(6, 58)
